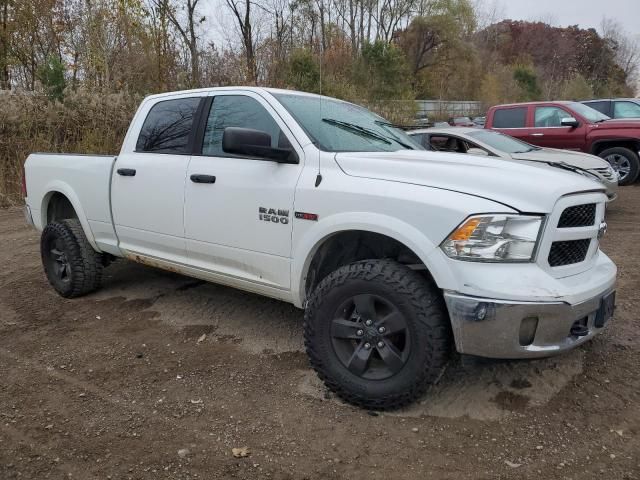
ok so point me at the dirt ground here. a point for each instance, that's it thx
(160, 376)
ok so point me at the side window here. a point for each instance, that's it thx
(168, 126)
(626, 110)
(422, 139)
(510, 118)
(599, 106)
(238, 111)
(549, 117)
(445, 143)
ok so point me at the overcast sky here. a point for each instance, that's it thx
(586, 13)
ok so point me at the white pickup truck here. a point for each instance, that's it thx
(397, 255)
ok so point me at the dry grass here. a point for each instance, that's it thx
(84, 123)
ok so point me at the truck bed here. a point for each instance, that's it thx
(85, 180)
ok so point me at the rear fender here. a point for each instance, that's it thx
(57, 186)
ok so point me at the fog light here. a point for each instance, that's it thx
(528, 328)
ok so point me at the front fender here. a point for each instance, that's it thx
(58, 186)
(306, 246)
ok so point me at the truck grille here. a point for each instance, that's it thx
(578, 216)
(568, 252)
(607, 173)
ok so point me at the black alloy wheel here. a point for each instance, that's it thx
(370, 337)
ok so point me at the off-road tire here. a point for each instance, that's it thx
(425, 314)
(632, 158)
(84, 264)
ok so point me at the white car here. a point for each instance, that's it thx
(396, 255)
(474, 141)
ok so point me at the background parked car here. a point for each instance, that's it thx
(460, 122)
(422, 120)
(479, 121)
(474, 141)
(617, 107)
(573, 126)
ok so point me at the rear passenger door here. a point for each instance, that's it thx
(239, 225)
(147, 190)
(512, 121)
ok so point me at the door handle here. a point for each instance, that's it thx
(537, 134)
(127, 172)
(200, 178)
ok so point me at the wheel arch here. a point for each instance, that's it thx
(347, 241)
(601, 145)
(61, 202)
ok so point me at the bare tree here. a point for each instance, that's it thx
(242, 12)
(186, 28)
(626, 48)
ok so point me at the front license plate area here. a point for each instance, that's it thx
(605, 312)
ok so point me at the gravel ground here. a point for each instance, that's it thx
(161, 376)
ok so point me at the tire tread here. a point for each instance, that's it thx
(424, 298)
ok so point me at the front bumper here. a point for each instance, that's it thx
(508, 329)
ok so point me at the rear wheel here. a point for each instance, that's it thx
(72, 266)
(624, 161)
(377, 333)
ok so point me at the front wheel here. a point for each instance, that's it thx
(72, 266)
(377, 333)
(625, 162)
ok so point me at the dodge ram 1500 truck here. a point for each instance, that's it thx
(573, 126)
(398, 255)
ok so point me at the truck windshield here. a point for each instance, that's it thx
(502, 143)
(337, 126)
(590, 114)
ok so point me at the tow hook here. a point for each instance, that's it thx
(579, 330)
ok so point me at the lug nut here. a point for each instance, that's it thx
(367, 345)
(360, 332)
(380, 344)
(368, 323)
(381, 329)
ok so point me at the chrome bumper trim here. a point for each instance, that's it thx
(491, 328)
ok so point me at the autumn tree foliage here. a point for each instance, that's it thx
(361, 49)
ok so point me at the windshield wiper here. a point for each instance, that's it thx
(357, 129)
(395, 139)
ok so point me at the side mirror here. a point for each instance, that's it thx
(477, 151)
(255, 143)
(569, 122)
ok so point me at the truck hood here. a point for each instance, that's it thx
(618, 124)
(526, 187)
(576, 159)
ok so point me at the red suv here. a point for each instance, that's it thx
(573, 126)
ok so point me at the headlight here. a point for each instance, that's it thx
(494, 238)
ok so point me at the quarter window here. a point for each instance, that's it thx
(626, 110)
(549, 117)
(238, 111)
(510, 118)
(168, 126)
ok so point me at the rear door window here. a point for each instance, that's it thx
(510, 118)
(167, 128)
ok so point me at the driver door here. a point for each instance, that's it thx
(238, 220)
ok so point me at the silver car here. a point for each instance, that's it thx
(474, 141)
